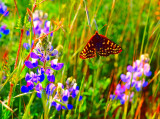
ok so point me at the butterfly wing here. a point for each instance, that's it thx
(106, 47)
(102, 45)
(89, 51)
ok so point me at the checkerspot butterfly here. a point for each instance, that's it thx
(100, 44)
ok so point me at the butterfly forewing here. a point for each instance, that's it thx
(89, 50)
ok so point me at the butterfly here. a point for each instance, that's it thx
(100, 44)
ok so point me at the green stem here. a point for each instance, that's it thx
(25, 116)
(144, 34)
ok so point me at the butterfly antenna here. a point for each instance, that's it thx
(87, 13)
(96, 25)
(103, 26)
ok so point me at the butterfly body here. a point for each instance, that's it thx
(100, 44)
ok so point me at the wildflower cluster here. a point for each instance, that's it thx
(135, 77)
(3, 30)
(41, 25)
(43, 54)
(62, 95)
(3, 9)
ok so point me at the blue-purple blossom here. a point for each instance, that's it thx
(41, 25)
(50, 89)
(3, 30)
(139, 70)
(39, 90)
(55, 65)
(71, 91)
(3, 9)
(31, 79)
(26, 46)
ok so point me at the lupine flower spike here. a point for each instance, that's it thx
(134, 78)
(42, 54)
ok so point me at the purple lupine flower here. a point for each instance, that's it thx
(131, 79)
(31, 64)
(30, 85)
(26, 46)
(127, 77)
(50, 89)
(43, 52)
(41, 25)
(3, 9)
(24, 89)
(31, 79)
(39, 90)
(64, 94)
(27, 33)
(3, 30)
(55, 65)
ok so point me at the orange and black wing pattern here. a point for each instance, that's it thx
(100, 44)
(106, 47)
(89, 51)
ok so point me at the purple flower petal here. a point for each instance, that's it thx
(112, 96)
(58, 66)
(38, 87)
(55, 52)
(42, 76)
(48, 71)
(63, 107)
(122, 101)
(35, 64)
(123, 78)
(6, 32)
(73, 94)
(47, 58)
(58, 107)
(27, 33)
(148, 73)
(50, 88)
(30, 85)
(69, 106)
(34, 55)
(65, 98)
(145, 84)
(80, 98)
(51, 48)
(130, 68)
(26, 46)
(51, 78)
(29, 64)
(27, 77)
(51, 34)
(24, 89)
(138, 85)
(53, 103)
(77, 87)
(39, 94)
